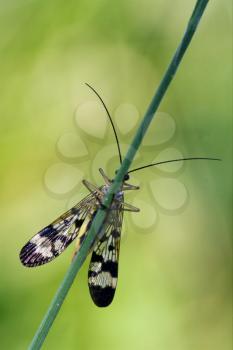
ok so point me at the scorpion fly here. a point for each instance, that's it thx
(52, 240)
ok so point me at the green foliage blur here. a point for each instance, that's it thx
(174, 289)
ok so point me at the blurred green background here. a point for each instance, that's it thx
(174, 290)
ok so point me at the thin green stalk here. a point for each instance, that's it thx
(101, 214)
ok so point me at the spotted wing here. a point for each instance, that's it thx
(56, 237)
(103, 269)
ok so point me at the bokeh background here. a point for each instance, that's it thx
(174, 290)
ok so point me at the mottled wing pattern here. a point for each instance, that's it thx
(56, 237)
(103, 269)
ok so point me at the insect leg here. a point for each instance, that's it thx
(106, 179)
(129, 207)
(95, 191)
(92, 188)
(129, 187)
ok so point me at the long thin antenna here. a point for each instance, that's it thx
(109, 116)
(172, 160)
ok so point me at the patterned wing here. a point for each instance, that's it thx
(103, 269)
(56, 237)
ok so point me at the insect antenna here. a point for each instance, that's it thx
(173, 160)
(111, 121)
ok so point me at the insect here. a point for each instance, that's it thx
(52, 240)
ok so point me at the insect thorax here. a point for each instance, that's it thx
(118, 198)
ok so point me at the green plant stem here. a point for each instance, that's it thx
(102, 213)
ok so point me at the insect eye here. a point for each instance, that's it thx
(126, 177)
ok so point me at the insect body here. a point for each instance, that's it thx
(75, 223)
